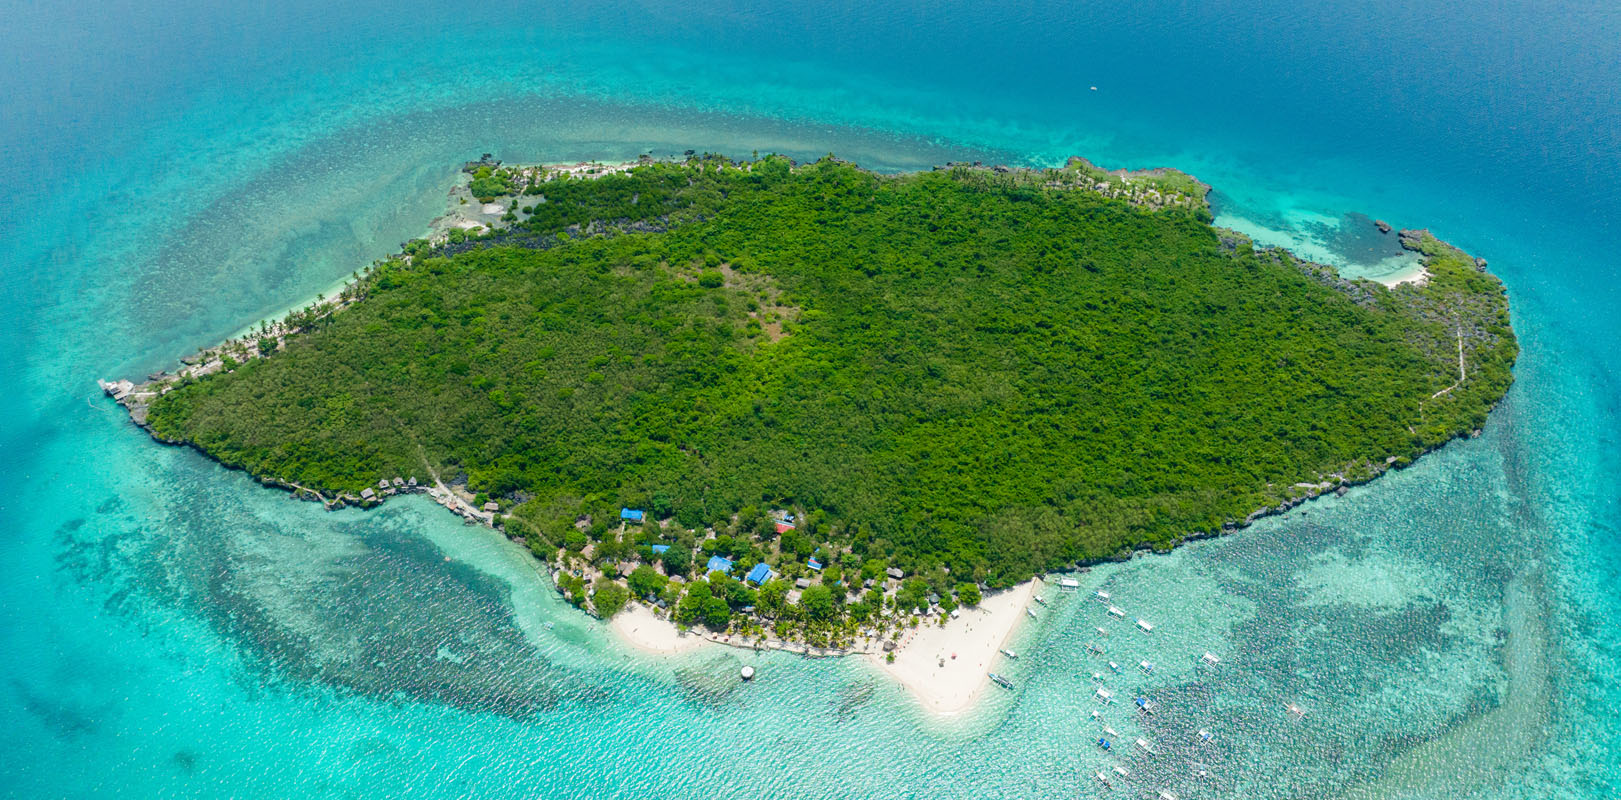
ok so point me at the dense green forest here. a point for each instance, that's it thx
(987, 372)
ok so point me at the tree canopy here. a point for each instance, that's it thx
(992, 373)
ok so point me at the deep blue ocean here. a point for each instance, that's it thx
(171, 172)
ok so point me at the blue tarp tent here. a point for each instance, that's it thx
(760, 574)
(631, 514)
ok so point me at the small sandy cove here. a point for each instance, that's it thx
(643, 630)
(975, 637)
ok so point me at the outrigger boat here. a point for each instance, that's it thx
(1114, 666)
(1205, 736)
(1102, 596)
(1010, 654)
(1031, 613)
(1103, 779)
(1144, 627)
(1000, 681)
(1116, 611)
(1041, 600)
(1145, 746)
(1146, 666)
(1102, 631)
(1295, 711)
(1210, 659)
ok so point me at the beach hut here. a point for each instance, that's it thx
(803, 583)
(382, 483)
(718, 564)
(399, 483)
(411, 482)
(631, 514)
(760, 574)
(367, 494)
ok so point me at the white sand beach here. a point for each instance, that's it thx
(643, 630)
(975, 637)
(1415, 274)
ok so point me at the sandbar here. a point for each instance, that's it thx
(945, 685)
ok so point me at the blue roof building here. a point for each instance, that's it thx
(659, 549)
(814, 564)
(631, 514)
(718, 564)
(760, 574)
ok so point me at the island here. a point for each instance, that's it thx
(815, 407)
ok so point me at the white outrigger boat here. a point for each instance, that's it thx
(1117, 611)
(1146, 746)
(1102, 596)
(1103, 695)
(1209, 659)
(1102, 631)
(1144, 626)
(1010, 654)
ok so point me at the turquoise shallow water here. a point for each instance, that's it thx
(170, 629)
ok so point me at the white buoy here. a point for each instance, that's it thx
(748, 673)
